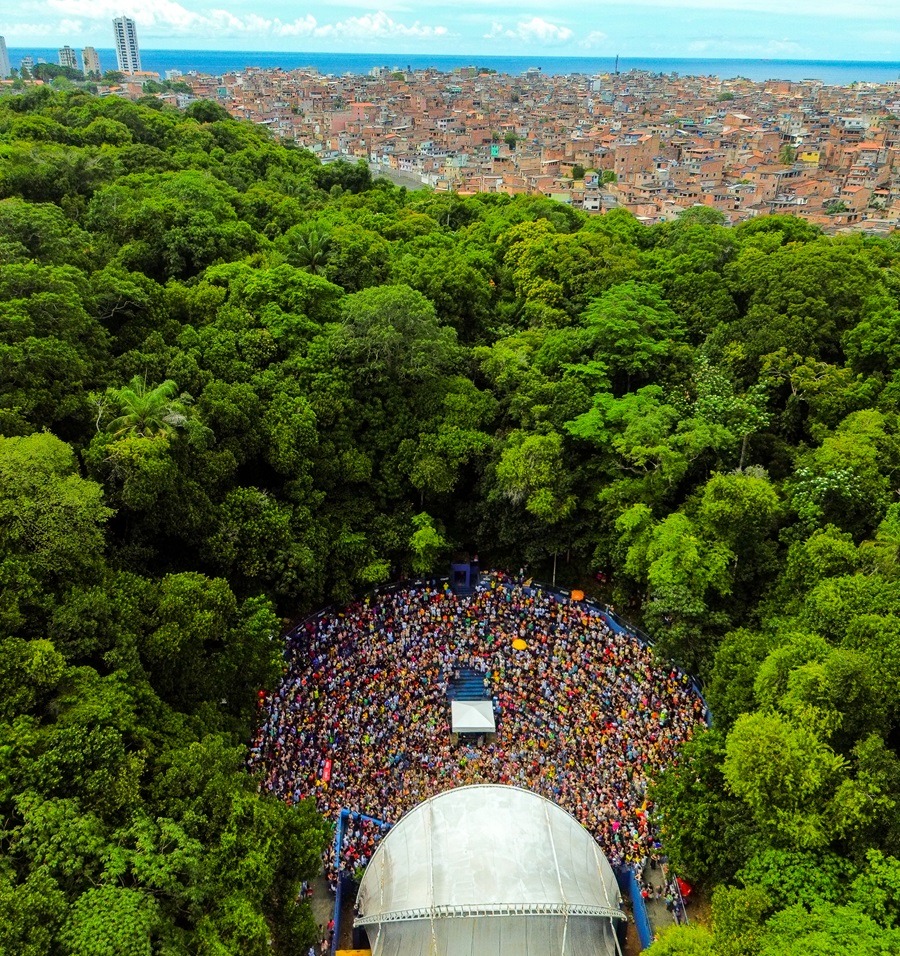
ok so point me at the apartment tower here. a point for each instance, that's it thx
(4, 59)
(127, 53)
(90, 62)
(67, 57)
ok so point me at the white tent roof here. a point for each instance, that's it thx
(489, 870)
(472, 717)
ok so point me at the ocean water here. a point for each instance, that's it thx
(217, 62)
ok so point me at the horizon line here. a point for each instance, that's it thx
(496, 56)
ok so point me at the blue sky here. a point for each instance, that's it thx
(812, 29)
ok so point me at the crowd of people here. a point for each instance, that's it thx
(584, 714)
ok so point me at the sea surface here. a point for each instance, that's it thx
(217, 62)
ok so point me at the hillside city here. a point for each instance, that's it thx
(652, 144)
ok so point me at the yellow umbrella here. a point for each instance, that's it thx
(519, 644)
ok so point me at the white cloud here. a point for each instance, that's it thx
(535, 30)
(159, 13)
(163, 18)
(594, 38)
(42, 29)
(881, 10)
(380, 26)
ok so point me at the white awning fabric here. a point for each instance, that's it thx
(488, 870)
(472, 717)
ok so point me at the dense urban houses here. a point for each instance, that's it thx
(652, 144)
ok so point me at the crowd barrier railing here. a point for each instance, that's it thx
(629, 883)
(345, 816)
(629, 886)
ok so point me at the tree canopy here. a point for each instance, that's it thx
(237, 385)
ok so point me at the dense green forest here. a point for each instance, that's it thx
(236, 384)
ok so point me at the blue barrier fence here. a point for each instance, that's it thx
(343, 884)
(629, 884)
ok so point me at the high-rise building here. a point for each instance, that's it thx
(27, 65)
(4, 59)
(67, 57)
(90, 62)
(127, 53)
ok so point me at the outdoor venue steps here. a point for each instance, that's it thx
(469, 685)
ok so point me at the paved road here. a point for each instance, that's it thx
(660, 917)
(409, 180)
(322, 903)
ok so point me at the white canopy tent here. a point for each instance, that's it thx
(472, 717)
(489, 871)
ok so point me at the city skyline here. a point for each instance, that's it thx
(689, 28)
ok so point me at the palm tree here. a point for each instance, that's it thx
(148, 412)
(312, 250)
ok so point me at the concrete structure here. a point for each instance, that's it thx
(90, 61)
(4, 59)
(128, 56)
(67, 57)
(489, 869)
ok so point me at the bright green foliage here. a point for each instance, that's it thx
(847, 480)
(311, 250)
(787, 877)
(784, 775)
(51, 526)
(699, 815)
(32, 913)
(426, 544)
(528, 474)
(635, 333)
(826, 930)
(147, 412)
(684, 572)
(877, 888)
(737, 915)
(730, 690)
(392, 332)
(740, 509)
(111, 921)
(29, 672)
(683, 941)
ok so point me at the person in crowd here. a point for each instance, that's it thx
(361, 719)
